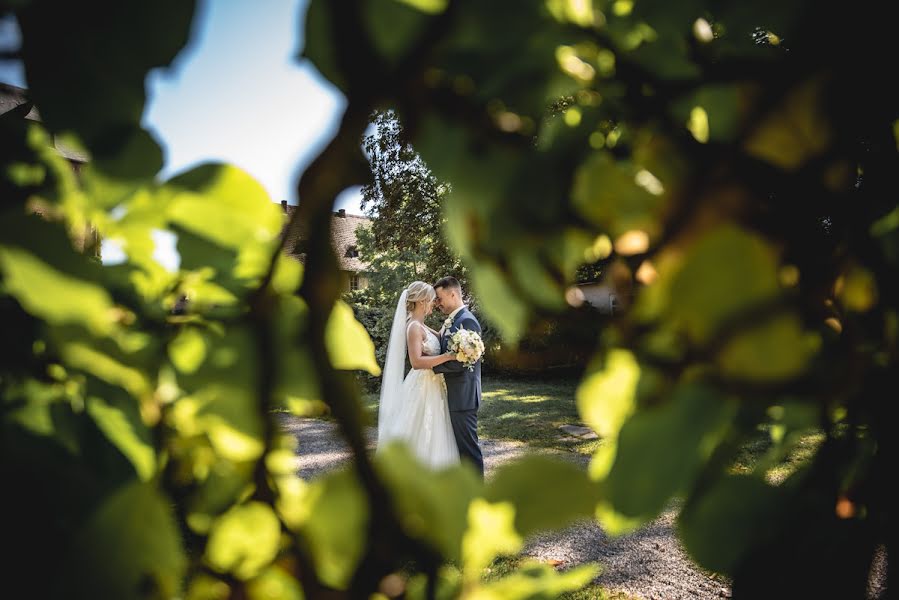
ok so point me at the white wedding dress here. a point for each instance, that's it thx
(414, 409)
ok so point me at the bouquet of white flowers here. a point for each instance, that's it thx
(467, 346)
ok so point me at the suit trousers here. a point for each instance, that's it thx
(465, 429)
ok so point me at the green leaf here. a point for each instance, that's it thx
(395, 25)
(274, 584)
(427, 6)
(773, 350)
(537, 283)
(336, 529)
(53, 295)
(491, 533)
(101, 561)
(244, 540)
(606, 192)
(188, 350)
(564, 493)
(795, 131)
(727, 521)
(743, 268)
(106, 367)
(607, 395)
(86, 68)
(288, 274)
(319, 46)
(298, 386)
(120, 420)
(349, 345)
(222, 399)
(538, 580)
(662, 449)
(225, 205)
(500, 304)
(433, 505)
(721, 104)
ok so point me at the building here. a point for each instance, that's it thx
(343, 240)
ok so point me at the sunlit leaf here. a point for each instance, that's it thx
(229, 208)
(244, 540)
(107, 368)
(774, 349)
(121, 421)
(607, 193)
(607, 395)
(433, 506)
(719, 108)
(743, 268)
(661, 450)
(349, 345)
(428, 6)
(187, 350)
(537, 580)
(336, 533)
(54, 295)
(274, 584)
(491, 533)
(565, 493)
(222, 397)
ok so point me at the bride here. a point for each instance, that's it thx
(414, 409)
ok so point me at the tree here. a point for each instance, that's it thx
(404, 200)
(405, 241)
(743, 156)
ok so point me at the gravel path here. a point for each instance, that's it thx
(649, 563)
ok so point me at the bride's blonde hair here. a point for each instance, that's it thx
(415, 293)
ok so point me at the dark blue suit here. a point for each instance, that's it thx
(463, 389)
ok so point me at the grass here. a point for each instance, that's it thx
(757, 454)
(525, 411)
(531, 412)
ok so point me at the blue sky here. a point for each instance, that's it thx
(237, 94)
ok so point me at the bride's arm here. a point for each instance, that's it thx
(416, 358)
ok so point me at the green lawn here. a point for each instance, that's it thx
(522, 410)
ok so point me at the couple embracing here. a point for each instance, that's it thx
(434, 408)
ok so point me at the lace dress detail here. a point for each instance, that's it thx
(425, 421)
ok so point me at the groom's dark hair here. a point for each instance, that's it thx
(448, 282)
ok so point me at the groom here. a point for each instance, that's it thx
(463, 387)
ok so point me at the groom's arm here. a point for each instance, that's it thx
(454, 366)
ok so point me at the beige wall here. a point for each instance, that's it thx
(348, 275)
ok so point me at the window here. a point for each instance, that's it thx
(352, 252)
(354, 282)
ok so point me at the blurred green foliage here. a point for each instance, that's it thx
(740, 158)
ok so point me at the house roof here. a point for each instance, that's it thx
(343, 237)
(11, 97)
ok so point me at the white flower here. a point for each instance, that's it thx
(467, 346)
(448, 322)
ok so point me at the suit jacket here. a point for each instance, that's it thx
(463, 387)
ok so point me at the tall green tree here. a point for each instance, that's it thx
(404, 200)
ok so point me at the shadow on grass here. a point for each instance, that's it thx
(519, 410)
